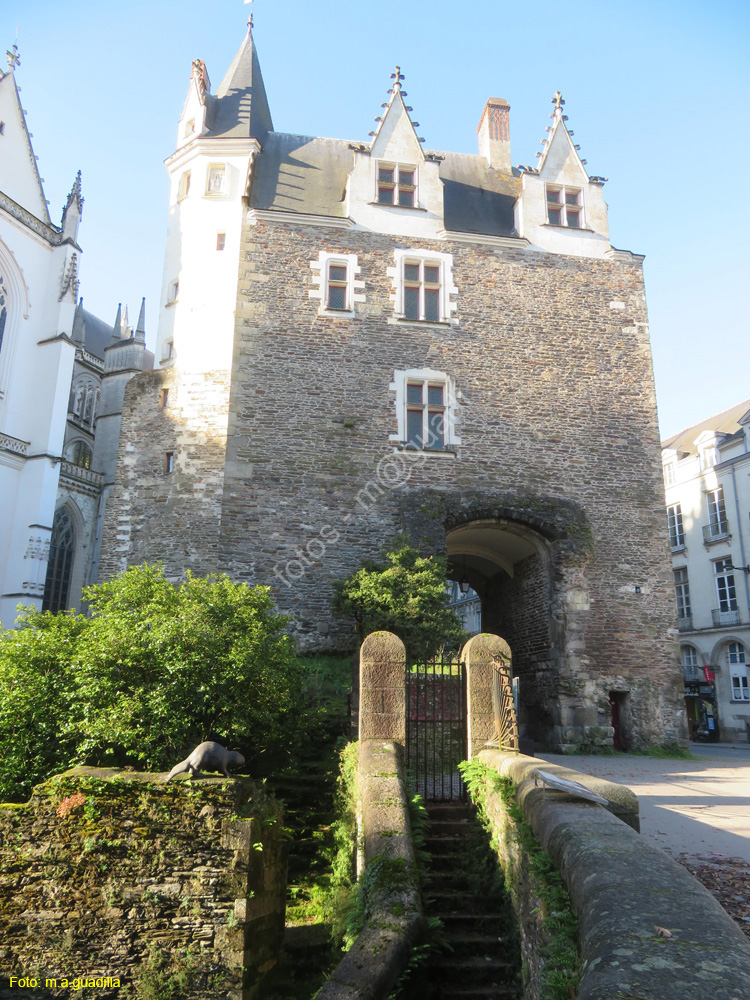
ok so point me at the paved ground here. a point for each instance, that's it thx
(698, 811)
(699, 808)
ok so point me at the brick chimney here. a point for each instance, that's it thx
(494, 134)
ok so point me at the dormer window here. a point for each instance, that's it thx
(564, 206)
(397, 185)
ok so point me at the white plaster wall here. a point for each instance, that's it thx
(201, 321)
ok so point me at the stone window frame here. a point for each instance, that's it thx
(427, 376)
(567, 210)
(173, 292)
(395, 185)
(354, 286)
(448, 292)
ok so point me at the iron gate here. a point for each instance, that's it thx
(436, 728)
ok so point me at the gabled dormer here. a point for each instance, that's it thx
(193, 118)
(393, 187)
(561, 208)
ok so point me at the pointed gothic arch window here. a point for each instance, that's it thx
(60, 566)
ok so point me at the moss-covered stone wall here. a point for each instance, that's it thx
(173, 889)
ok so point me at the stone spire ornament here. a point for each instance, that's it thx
(118, 324)
(13, 58)
(140, 330)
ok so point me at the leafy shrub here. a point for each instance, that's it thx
(155, 670)
(405, 595)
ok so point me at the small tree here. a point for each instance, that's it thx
(405, 595)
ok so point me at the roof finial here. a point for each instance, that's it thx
(397, 77)
(13, 58)
(558, 101)
(250, 18)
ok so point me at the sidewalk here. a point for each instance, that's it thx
(695, 808)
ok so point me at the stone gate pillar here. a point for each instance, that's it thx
(382, 688)
(478, 656)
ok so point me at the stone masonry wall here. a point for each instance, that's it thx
(154, 514)
(552, 359)
(557, 420)
(177, 886)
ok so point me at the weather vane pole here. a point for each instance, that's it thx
(250, 19)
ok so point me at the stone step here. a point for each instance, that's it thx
(458, 924)
(472, 969)
(449, 827)
(449, 811)
(445, 845)
(488, 991)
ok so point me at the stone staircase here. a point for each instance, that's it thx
(307, 794)
(479, 957)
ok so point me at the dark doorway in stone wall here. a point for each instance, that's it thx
(509, 566)
(617, 706)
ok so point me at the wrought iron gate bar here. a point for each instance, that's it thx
(436, 727)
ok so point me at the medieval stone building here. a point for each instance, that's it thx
(361, 339)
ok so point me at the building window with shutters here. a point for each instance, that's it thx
(682, 594)
(676, 530)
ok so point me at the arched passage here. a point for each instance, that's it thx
(509, 565)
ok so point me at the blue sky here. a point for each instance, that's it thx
(656, 92)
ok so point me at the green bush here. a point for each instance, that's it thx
(155, 670)
(405, 595)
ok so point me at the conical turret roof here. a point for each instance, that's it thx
(239, 108)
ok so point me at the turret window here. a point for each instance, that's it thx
(564, 207)
(397, 185)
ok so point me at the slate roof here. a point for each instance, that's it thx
(239, 108)
(97, 334)
(727, 422)
(297, 173)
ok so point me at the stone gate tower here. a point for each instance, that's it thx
(365, 338)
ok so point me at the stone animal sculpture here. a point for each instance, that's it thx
(208, 757)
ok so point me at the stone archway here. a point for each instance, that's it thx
(510, 566)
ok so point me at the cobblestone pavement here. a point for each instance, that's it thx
(697, 811)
